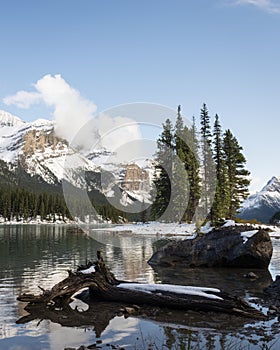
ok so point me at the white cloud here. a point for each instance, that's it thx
(117, 131)
(23, 99)
(70, 110)
(271, 6)
(73, 114)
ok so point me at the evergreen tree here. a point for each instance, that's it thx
(194, 135)
(193, 169)
(208, 169)
(187, 180)
(179, 127)
(180, 188)
(220, 200)
(237, 175)
(218, 149)
(163, 172)
(205, 129)
(178, 153)
(42, 210)
(180, 184)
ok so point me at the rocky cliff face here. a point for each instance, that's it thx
(42, 153)
(136, 178)
(39, 140)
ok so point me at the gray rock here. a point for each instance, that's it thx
(222, 247)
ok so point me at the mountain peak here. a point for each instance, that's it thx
(273, 185)
(263, 204)
(8, 119)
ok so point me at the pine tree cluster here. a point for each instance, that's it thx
(23, 197)
(21, 204)
(198, 175)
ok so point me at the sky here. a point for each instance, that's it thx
(224, 53)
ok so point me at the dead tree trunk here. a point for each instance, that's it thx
(103, 286)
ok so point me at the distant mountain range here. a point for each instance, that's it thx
(34, 150)
(264, 204)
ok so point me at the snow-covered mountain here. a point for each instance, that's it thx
(7, 119)
(36, 148)
(264, 204)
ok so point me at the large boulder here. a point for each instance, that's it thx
(224, 247)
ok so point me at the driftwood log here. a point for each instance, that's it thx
(103, 286)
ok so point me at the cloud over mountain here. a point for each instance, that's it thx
(70, 110)
(74, 115)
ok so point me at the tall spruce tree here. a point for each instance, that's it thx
(186, 174)
(179, 127)
(218, 148)
(163, 172)
(180, 188)
(220, 200)
(193, 172)
(237, 175)
(180, 183)
(208, 169)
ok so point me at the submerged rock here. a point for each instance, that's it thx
(235, 246)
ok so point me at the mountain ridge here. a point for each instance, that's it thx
(262, 205)
(37, 150)
(8, 119)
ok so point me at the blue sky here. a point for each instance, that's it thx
(225, 53)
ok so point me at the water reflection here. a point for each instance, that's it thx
(32, 256)
(40, 255)
(233, 281)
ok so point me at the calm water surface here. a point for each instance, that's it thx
(32, 256)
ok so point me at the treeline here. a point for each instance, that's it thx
(17, 204)
(275, 220)
(23, 197)
(198, 174)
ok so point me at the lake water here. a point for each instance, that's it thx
(32, 256)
